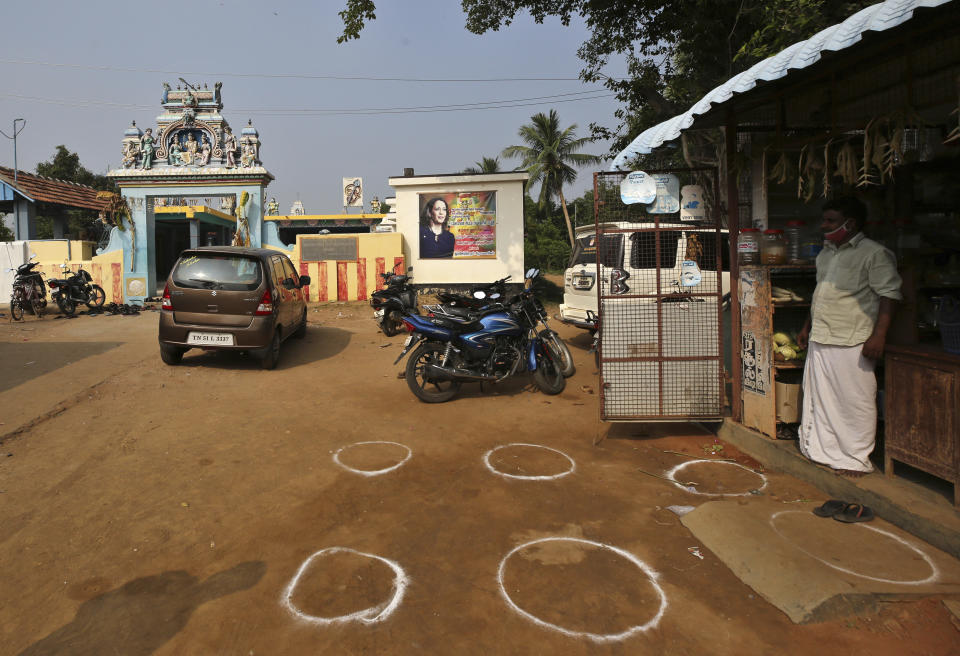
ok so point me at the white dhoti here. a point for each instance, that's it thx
(838, 427)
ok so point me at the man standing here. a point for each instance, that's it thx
(857, 290)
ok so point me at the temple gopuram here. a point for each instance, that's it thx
(184, 181)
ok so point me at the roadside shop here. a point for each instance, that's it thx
(870, 108)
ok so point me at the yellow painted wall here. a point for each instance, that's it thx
(52, 254)
(49, 251)
(59, 250)
(370, 247)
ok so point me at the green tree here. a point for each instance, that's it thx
(582, 209)
(675, 50)
(66, 166)
(6, 234)
(486, 165)
(549, 156)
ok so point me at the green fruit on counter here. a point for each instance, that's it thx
(781, 339)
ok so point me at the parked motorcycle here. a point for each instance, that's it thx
(490, 346)
(76, 288)
(489, 296)
(29, 291)
(478, 298)
(390, 304)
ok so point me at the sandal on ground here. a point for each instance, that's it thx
(854, 512)
(830, 508)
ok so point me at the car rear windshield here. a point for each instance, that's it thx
(611, 250)
(213, 271)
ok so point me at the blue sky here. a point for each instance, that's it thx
(97, 66)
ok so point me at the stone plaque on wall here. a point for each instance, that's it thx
(317, 249)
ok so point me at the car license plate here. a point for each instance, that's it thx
(583, 282)
(210, 339)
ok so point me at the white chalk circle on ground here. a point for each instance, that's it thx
(486, 461)
(372, 472)
(370, 615)
(676, 470)
(934, 572)
(596, 637)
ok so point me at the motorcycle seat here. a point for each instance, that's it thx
(458, 324)
(460, 312)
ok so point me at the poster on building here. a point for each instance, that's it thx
(353, 192)
(459, 226)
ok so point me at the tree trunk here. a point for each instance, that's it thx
(566, 215)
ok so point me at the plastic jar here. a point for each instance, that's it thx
(748, 246)
(773, 247)
(794, 233)
(810, 248)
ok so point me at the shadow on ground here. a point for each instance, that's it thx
(320, 343)
(26, 361)
(137, 618)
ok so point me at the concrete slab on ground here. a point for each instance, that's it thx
(817, 569)
(929, 516)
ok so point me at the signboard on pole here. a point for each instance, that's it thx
(353, 192)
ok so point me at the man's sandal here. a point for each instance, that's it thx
(830, 508)
(854, 512)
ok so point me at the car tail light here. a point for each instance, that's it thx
(52, 284)
(167, 303)
(409, 326)
(618, 284)
(266, 305)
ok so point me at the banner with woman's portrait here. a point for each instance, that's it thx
(459, 226)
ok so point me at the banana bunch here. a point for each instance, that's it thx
(783, 295)
(781, 172)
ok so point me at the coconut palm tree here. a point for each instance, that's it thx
(486, 165)
(549, 156)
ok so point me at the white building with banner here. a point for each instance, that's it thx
(461, 228)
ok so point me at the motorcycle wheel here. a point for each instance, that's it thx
(97, 297)
(429, 391)
(37, 307)
(562, 352)
(16, 307)
(548, 375)
(40, 295)
(66, 305)
(390, 324)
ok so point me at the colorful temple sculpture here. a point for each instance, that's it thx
(183, 182)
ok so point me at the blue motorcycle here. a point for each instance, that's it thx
(497, 342)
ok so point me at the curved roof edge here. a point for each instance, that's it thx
(876, 18)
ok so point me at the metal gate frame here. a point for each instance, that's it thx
(664, 359)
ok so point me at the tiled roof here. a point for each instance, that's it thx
(48, 190)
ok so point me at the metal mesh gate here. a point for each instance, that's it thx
(660, 297)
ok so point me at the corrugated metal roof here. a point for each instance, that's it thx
(876, 18)
(48, 190)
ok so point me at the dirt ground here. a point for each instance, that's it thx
(214, 508)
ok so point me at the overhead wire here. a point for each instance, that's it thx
(320, 112)
(294, 76)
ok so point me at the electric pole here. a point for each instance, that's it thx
(14, 137)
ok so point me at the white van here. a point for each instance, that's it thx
(635, 254)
